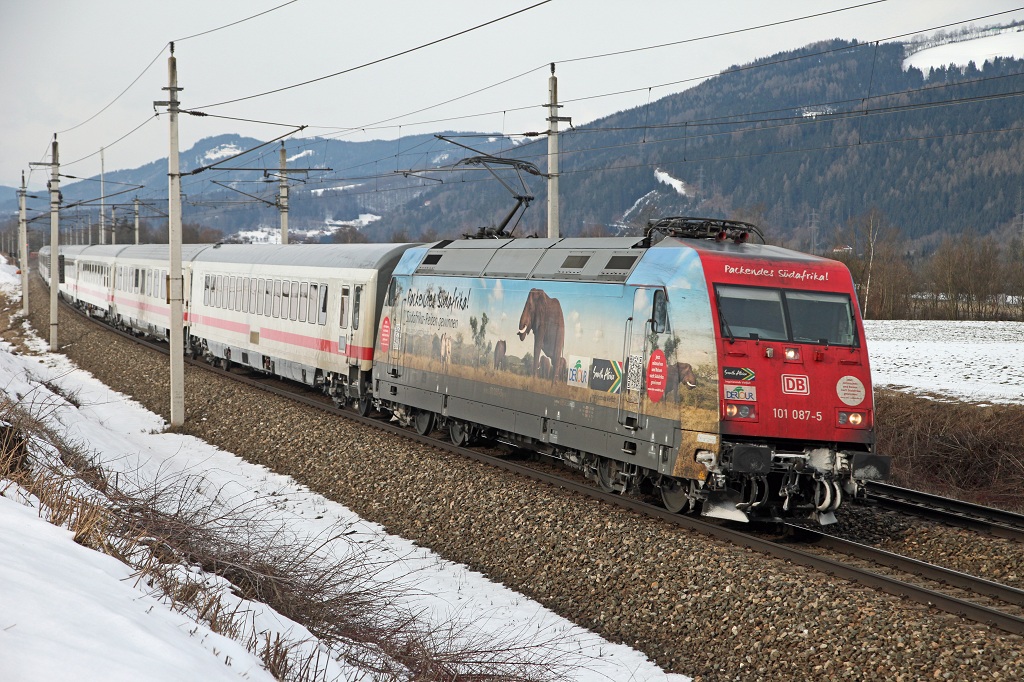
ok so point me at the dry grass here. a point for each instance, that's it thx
(971, 452)
(213, 561)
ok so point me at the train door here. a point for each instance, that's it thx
(392, 345)
(635, 350)
(345, 339)
(351, 311)
(634, 360)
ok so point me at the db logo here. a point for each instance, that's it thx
(796, 384)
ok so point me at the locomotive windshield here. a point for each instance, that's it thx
(785, 315)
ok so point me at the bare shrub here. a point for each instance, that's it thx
(211, 556)
(967, 451)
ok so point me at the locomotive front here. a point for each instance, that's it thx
(796, 418)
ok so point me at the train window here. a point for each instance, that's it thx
(322, 314)
(344, 307)
(574, 262)
(392, 291)
(239, 298)
(285, 300)
(313, 301)
(620, 262)
(260, 286)
(659, 316)
(821, 318)
(135, 280)
(253, 295)
(163, 286)
(206, 290)
(303, 301)
(356, 299)
(245, 295)
(749, 312)
(277, 298)
(268, 297)
(294, 312)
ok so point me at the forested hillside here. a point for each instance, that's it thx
(816, 136)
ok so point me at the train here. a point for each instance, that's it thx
(722, 376)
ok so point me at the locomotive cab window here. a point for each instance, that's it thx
(821, 318)
(750, 313)
(785, 315)
(659, 315)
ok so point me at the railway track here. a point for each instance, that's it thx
(966, 596)
(996, 522)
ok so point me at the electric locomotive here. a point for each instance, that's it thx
(728, 376)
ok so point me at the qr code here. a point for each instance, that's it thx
(635, 373)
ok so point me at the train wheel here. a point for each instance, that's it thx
(675, 495)
(365, 406)
(608, 475)
(458, 434)
(423, 422)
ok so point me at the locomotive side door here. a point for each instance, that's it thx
(396, 304)
(636, 331)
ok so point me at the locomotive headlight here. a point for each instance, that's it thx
(849, 419)
(792, 354)
(740, 411)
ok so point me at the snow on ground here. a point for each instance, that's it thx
(974, 361)
(67, 612)
(678, 185)
(1009, 43)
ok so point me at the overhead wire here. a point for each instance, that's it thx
(235, 23)
(377, 61)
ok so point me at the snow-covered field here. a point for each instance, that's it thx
(973, 361)
(1008, 43)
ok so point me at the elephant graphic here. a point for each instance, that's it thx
(542, 315)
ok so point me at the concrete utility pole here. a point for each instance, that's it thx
(23, 244)
(176, 286)
(54, 186)
(553, 157)
(553, 154)
(282, 197)
(135, 202)
(113, 224)
(103, 202)
(54, 242)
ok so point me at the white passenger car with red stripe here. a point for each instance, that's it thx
(140, 281)
(88, 272)
(302, 312)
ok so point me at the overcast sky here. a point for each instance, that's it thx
(64, 61)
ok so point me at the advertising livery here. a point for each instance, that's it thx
(726, 375)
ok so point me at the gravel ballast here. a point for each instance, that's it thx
(695, 605)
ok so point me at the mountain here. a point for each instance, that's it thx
(800, 142)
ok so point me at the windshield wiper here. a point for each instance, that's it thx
(725, 322)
